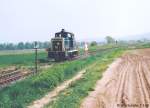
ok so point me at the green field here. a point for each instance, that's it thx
(19, 58)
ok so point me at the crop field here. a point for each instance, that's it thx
(19, 58)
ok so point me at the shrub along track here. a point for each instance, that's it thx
(126, 84)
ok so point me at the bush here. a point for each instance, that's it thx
(94, 43)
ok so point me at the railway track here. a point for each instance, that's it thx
(12, 75)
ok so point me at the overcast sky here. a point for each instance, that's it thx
(29, 20)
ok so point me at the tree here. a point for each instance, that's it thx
(10, 46)
(46, 44)
(94, 43)
(28, 45)
(109, 39)
(20, 45)
(2, 47)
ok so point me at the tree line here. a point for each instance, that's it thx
(23, 45)
(46, 44)
(109, 40)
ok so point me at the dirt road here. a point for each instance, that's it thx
(126, 84)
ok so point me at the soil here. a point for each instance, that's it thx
(125, 84)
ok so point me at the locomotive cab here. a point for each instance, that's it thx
(63, 46)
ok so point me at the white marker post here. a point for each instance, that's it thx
(86, 48)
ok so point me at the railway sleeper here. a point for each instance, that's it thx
(10, 79)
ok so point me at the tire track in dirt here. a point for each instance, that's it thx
(140, 84)
(121, 85)
(145, 83)
(125, 84)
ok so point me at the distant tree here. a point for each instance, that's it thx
(20, 45)
(27, 45)
(40, 44)
(109, 39)
(139, 41)
(10, 46)
(46, 44)
(94, 43)
(2, 47)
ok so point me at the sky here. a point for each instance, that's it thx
(38, 20)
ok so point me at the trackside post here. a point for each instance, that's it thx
(35, 47)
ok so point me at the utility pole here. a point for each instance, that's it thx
(35, 47)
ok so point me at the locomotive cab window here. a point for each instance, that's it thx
(66, 43)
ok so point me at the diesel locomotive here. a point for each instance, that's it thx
(63, 46)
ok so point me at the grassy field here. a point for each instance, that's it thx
(15, 52)
(19, 58)
(24, 92)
